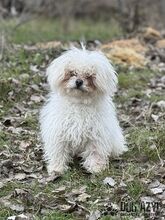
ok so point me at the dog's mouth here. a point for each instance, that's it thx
(81, 89)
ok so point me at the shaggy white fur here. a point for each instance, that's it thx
(79, 117)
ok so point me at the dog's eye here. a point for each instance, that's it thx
(72, 73)
(89, 77)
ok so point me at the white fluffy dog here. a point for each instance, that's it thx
(79, 117)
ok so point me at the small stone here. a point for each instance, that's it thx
(109, 181)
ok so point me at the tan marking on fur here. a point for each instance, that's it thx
(90, 80)
(68, 75)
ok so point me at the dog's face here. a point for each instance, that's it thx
(81, 73)
(77, 81)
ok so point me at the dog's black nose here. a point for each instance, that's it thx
(79, 82)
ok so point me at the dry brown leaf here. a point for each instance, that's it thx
(132, 43)
(18, 217)
(79, 190)
(20, 176)
(36, 99)
(126, 52)
(160, 44)
(1, 185)
(122, 184)
(156, 190)
(34, 68)
(151, 33)
(49, 45)
(24, 145)
(16, 207)
(83, 197)
(126, 56)
(61, 189)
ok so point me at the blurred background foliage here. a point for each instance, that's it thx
(42, 20)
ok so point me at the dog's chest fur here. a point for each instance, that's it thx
(79, 124)
(74, 125)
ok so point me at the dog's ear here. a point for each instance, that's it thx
(112, 79)
(55, 72)
(106, 79)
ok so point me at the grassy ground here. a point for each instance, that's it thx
(40, 29)
(23, 187)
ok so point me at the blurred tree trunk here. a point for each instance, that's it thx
(66, 12)
(129, 14)
(162, 11)
(121, 7)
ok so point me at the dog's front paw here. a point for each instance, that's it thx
(56, 169)
(53, 176)
(94, 165)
